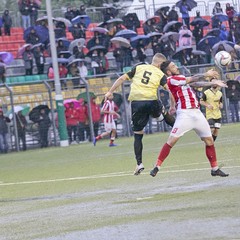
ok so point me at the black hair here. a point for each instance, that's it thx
(164, 66)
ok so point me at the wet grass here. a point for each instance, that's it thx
(86, 192)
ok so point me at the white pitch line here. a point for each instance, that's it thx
(143, 198)
(123, 174)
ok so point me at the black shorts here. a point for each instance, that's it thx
(142, 110)
(214, 123)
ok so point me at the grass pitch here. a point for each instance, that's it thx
(85, 192)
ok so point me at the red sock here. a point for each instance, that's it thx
(163, 154)
(111, 141)
(211, 155)
(98, 137)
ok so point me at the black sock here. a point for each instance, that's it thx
(214, 137)
(138, 147)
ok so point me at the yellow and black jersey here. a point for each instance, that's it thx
(214, 99)
(146, 79)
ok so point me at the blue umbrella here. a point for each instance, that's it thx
(190, 3)
(135, 40)
(6, 57)
(211, 41)
(40, 30)
(220, 16)
(126, 33)
(214, 32)
(60, 60)
(81, 19)
(65, 41)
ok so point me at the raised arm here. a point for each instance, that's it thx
(116, 84)
(199, 77)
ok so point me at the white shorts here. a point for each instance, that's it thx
(191, 119)
(109, 126)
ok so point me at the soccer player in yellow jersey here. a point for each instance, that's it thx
(146, 79)
(212, 100)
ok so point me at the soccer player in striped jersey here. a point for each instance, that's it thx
(189, 117)
(108, 109)
(145, 81)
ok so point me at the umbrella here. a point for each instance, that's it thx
(19, 108)
(64, 20)
(172, 25)
(64, 54)
(180, 52)
(99, 48)
(38, 2)
(126, 33)
(225, 44)
(162, 9)
(214, 32)
(60, 60)
(43, 19)
(81, 19)
(118, 99)
(201, 22)
(83, 96)
(6, 57)
(76, 61)
(36, 45)
(190, 3)
(155, 18)
(99, 29)
(41, 31)
(165, 36)
(35, 112)
(220, 16)
(198, 52)
(153, 34)
(114, 21)
(211, 40)
(65, 41)
(77, 42)
(135, 40)
(123, 42)
(22, 49)
(75, 102)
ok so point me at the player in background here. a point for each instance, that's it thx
(108, 109)
(189, 117)
(146, 79)
(212, 100)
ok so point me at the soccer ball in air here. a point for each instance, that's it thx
(223, 59)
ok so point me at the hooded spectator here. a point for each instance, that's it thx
(7, 22)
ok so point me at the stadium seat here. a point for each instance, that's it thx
(21, 79)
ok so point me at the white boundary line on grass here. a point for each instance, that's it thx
(119, 174)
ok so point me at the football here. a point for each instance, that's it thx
(222, 59)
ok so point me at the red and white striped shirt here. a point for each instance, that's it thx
(183, 94)
(109, 107)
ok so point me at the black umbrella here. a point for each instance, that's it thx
(180, 51)
(99, 48)
(165, 36)
(190, 3)
(201, 22)
(118, 99)
(162, 9)
(64, 54)
(173, 25)
(114, 21)
(35, 112)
